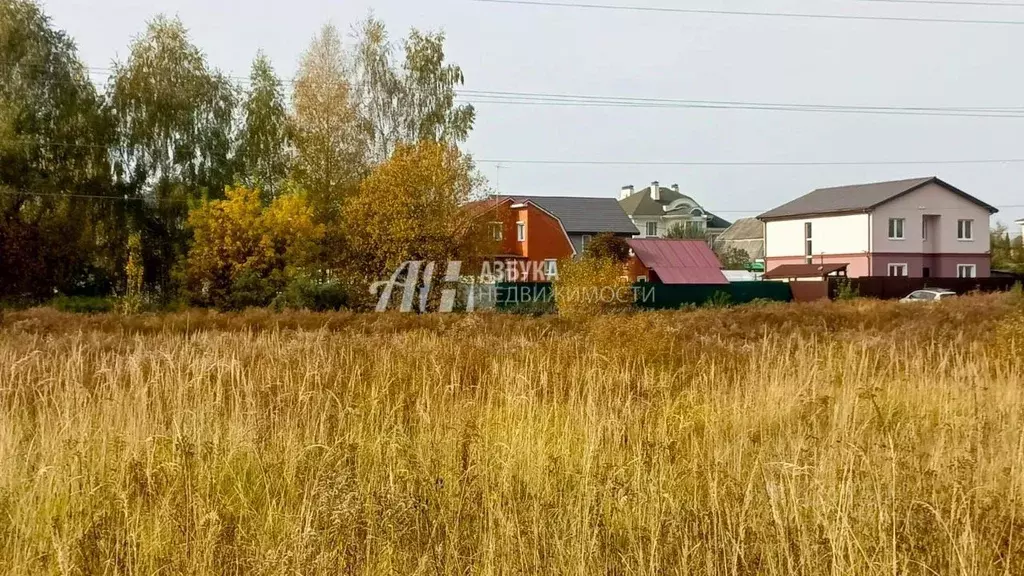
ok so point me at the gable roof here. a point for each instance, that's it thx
(744, 229)
(640, 204)
(679, 261)
(584, 215)
(859, 198)
(746, 234)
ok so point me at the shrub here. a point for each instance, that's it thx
(304, 293)
(83, 304)
(718, 300)
(608, 246)
(591, 286)
(845, 290)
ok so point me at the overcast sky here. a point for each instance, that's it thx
(668, 55)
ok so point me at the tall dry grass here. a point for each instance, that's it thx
(862, 438)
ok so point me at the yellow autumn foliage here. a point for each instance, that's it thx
(240, 246)
(411, 207)
(591, 286)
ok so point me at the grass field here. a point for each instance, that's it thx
(844, 439)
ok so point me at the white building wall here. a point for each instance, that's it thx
(932, 200)
(847, 234)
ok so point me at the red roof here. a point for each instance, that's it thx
(679, 261)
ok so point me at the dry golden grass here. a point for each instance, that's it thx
(858, 438)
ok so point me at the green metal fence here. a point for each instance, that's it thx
(540, 296)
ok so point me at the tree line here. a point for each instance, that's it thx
(173, 180)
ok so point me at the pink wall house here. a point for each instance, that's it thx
(920, 228)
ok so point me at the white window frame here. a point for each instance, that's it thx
(965, 230)
(521, 231)
(809, 242)
(971, 269)
(901, 267)
(585, 241)
(641, 279)
(647, 229)
(550, 268)
(497, 231)
(897, 229)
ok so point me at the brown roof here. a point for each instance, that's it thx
(858, 198)
(803, 270)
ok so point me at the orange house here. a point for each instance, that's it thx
(533, 233)
(530, 239)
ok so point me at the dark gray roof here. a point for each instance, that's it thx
(641, 204)
(858, 198)
(585, 215)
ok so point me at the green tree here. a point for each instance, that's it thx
(263, 156)
(53, 150)
(176, 126)
(733, 258)
(608, 246)
(330, 151)
(1006, 252)
(403, 102)
(680, 231)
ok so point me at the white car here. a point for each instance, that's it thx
(929, 295)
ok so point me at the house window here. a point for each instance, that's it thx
(652, 228)
(550, 269)
(966, 270)
(896, 228)
(898, 270)
(808, 242)
(965, 231)
(496, 231)
(521, 231)
(641, 279)
(585, 241)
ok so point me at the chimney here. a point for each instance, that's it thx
(675, 188)
(656, 191)
(626, 192)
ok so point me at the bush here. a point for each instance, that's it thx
(591, 286)
(83, 304)
(304, 293)
(718, 300)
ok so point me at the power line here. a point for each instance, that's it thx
(167, 200)
(948, 3)
(749, 163)
(659, 162)
(534, 99)
(750, 13)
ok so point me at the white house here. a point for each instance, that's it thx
(655, 210)
(1021, 224)
(921, 228)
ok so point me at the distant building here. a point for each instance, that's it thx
(1021, 224)
(535, 232)
(920, 228)
(655, 210)
(746, 234)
